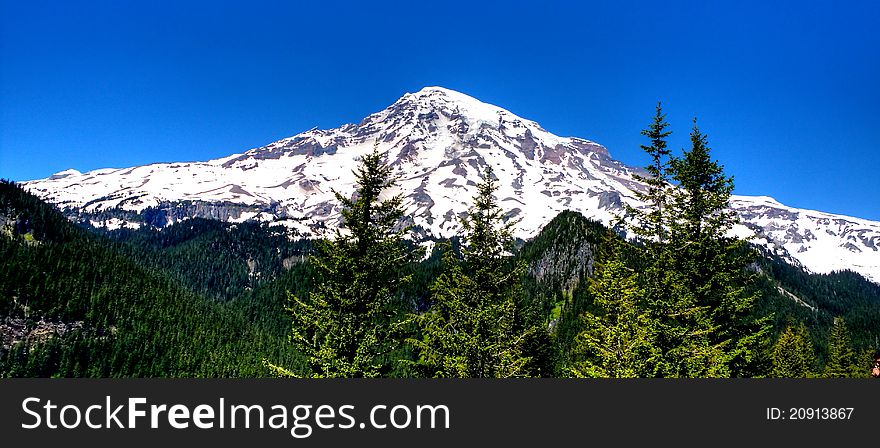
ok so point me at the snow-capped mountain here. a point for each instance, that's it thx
(439, 141)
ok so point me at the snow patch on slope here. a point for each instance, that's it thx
(439, 143)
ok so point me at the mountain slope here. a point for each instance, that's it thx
(73, 305)
(212, 258)
(561, 258)
(439, 141)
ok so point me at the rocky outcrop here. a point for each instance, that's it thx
(18, 330)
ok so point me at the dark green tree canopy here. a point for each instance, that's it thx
(793, 354)
(345, 325)
(474, 328)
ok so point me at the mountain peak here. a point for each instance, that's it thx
(440, 141)
(65, 173)
(444, 94)
(439, 90)
(435, 98)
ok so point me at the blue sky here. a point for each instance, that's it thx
(788, 92)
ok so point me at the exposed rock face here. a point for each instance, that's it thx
(439, 143)
(576, 264)
(15, 330)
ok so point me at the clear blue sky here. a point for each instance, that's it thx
(788, 92)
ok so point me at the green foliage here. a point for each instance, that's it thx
(560, 259)
(618, 336)
(212, 258)
(82, 308)
(696, 283)
(468, 333)
(205, 298)
(841, 357)
(712, 269)
(793, 354)
(345, 325)
(651, 224)
(475, 327)
(839, 294)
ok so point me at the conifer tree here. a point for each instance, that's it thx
(651, 224)
(841, 357)
(793, 355)
(473, 329)
(617, 340)
(696, 283)
(712, 294)
(345, 327)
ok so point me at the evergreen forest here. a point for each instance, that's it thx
(204, 298)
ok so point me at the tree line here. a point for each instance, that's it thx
(663, 293)
(679, 300)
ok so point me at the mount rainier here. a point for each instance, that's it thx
(438, 141)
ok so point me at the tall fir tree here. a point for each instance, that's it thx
(696, 283)
(473, 329)
(651, 224)
(618, 334)
(713, 296)
(793, 355)
(841, 357)
(651, 227)
(346, 326)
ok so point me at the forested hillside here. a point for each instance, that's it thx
(203, 298)
(74, 305)
(215, 259)
(183, 302)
